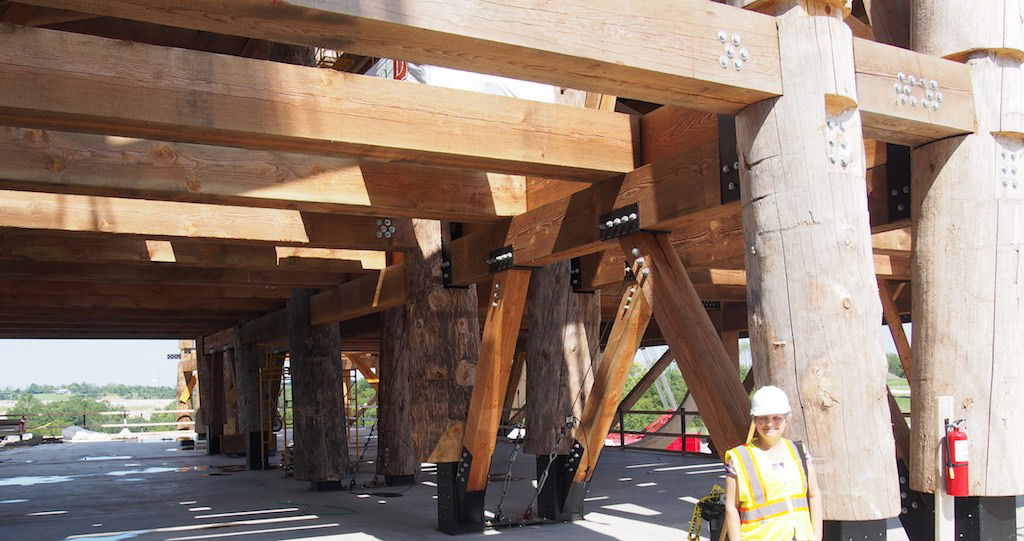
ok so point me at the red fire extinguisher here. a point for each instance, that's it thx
(957, 458)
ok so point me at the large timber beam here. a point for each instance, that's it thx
(206, 98)
(89, 164)
(672, 57)
(168, 291)
(25, 245)
(165, 275)
(696, 53)
(170, 219)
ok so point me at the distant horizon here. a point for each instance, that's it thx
(99, 362)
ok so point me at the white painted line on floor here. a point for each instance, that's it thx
(647, 484)
(195, 509)
(188, 502)
(651, 465)
(254, 532)
(595, 498)
(243, 513)
(716, 470)
(689, 499)
(45, 513)
(687, 467)
(191, 527)
(632, 508)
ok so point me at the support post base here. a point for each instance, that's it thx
(213, 442)
(986, 518)
(844, 530)
(458, 511)
(560, 498)
(255, 455)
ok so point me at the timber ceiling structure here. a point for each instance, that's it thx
(168, 174)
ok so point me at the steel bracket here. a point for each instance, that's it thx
(728, 159)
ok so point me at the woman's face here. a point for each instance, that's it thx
(770, 427)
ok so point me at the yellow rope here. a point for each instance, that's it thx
(714, 496)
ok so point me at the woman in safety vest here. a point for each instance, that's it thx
(771, 493)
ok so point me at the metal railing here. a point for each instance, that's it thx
(72, 418)
(682, 434)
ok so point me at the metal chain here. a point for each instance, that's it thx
(516, 446)
(354, 469)
(570, 423)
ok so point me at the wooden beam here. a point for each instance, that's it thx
(36, 246)
(150, 303)
(28, 288)
(169, 219)
(114, 273)
(497, 349)
(673, 57)
(645, 382)
(631, 320)
(917, 113)
(365, 295)
(89, 164)
(693, 340)
(891, 315)
(232, 101)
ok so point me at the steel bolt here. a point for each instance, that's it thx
(738, 64)
(635, 252)
(723, 61)
(735, 39)
(744, 54)
(722, 36)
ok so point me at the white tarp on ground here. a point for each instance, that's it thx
(463, 80)
(77, 433)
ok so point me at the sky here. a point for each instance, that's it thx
(134, 362)
(57, 362)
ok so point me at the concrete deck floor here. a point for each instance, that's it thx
(154, 490)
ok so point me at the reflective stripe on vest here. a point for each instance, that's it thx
(751, 474)
(769, 510)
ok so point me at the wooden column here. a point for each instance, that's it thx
(211, 385)
(463, 469)
(187, 396)
(968, 212)
(430, 345)
(232, 441)
(812, 301)
(396, 456)
(561, 357)
(247, 388)
(321, 450)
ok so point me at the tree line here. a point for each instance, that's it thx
(147, 392)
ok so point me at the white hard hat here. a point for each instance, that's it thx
(769, 400)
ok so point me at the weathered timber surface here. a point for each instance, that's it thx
(230, 358)
(671, 58)
(395, 452)
(561, 356)
(99, 165)
(968, 211)
(439, 341)
(812, 298)
(321, 451)
(247, 385)
(217, 99)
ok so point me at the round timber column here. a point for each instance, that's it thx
(968, 260)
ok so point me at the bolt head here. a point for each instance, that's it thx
(617, 221)
(635, 252)
(725, 169)
(494, 304)
(722, 36)
(744, 54)
(387, 221)
(736, 165)
(895, 193)
(387, 235)
(738, 64)
(609, 223)
(736, 39)
(632, 216)
(912, 80)
(723, 61)
(934, 84)
(901, 76)
(731, 186)
(639, 261)
(901, 207)
(906, 189)
(646, 271)
(729, 51)
(913, 101)
(379, 221)
(938, 97)
(380, 234)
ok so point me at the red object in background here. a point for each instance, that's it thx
(957, 460)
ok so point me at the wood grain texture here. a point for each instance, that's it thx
(497, 348)
(28, 246)
(169, 219)
(561, 356)
(671, 58)
(631, 320)
(694, 341)
(321, 450)
(164, 275)
(993, 25)
(396, 454)
(200, 97)
(812, 297)
(88, 164)
(968, 317)
(906, 120)
(438, 337)
(365, 295)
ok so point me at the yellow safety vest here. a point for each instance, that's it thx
(773, 504)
